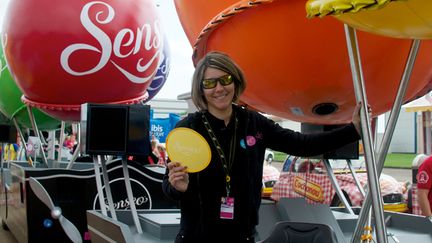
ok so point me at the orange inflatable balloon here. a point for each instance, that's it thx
(298, 68)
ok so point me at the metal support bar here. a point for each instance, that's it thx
(36, 132)
(20, 133)
(388, 133)
(360, 92)
(61, 141)
(108, 190)
(18, 128)
(336, 186)
(77, 149)
(43, 140)
(130, 196)
(354, 175)
(96, 163)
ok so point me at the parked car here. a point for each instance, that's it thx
(308, 178)
(269, 156)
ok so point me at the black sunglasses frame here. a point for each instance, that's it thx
(212, 82)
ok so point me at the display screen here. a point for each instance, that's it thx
(106, 129)
(112, 129)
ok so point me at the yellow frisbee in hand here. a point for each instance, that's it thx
(189, 148)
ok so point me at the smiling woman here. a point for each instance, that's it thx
(228, 191)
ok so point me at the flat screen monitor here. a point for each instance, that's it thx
(106, 129)
(113, 129)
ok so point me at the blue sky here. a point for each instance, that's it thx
(181, 70)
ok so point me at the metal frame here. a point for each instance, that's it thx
(36, 132)
(374, 167)
(336, 186)
(102, 163)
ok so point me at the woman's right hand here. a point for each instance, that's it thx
(177, 176)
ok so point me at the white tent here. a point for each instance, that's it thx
(423, 105)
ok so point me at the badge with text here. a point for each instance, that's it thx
(227, 208)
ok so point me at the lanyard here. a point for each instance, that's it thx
(227, 165)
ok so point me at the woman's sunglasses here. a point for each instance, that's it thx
(210, 83)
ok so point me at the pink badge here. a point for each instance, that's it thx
(250, 140)
(227, 208)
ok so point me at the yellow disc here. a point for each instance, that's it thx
(189, 148)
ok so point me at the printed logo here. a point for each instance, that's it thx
(162, 71)
(141, 196)
(147, 36)
(308, 189)
(422, 177)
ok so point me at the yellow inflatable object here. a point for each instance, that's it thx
(409, 19)
(189, 148)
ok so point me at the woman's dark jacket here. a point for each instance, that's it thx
(200, 204)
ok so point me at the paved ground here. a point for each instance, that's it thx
(399, 174)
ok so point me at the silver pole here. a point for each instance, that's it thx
(61, 141)
(354, 175)
(36, 132)
(97, 163)
(130, 196)
(43, 140)
(77, 149)
(20, 133)
(360, 91)
(336, 186)
(388, 133)
(51, 145)
(108, 190)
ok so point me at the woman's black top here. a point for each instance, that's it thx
(200, 204)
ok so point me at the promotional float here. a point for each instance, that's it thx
(297, 68)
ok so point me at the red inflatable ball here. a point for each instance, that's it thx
(65, 53)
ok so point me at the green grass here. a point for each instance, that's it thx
(399, 160)
(279, 156)
(396, 160)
